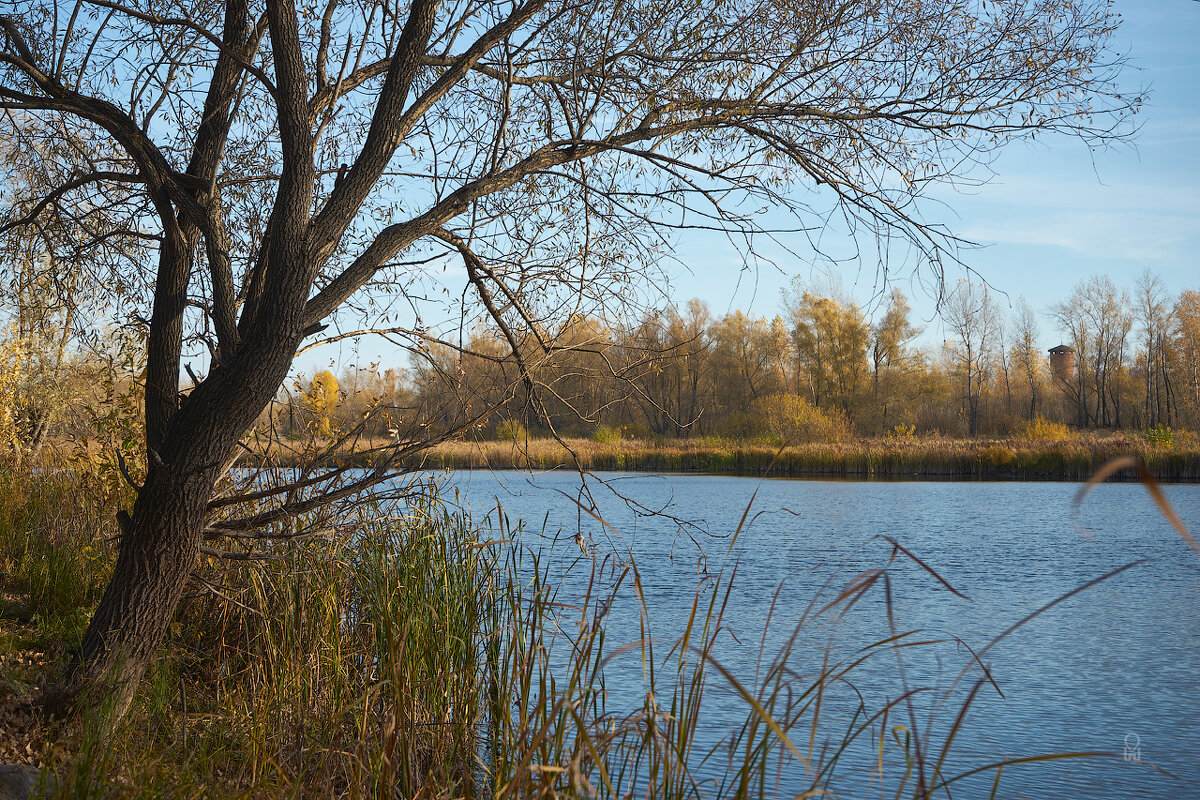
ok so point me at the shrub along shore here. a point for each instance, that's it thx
(1072, 459)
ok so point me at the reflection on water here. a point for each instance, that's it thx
(1109, 668)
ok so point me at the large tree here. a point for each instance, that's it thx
(282, 167)
(890, 335)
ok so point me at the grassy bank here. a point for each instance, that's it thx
(1074, 458)
(420, 657)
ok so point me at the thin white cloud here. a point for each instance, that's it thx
(1125, 235)
(1089, 191)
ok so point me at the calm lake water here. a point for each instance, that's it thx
(1115, 668)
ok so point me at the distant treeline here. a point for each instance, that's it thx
(820, 370)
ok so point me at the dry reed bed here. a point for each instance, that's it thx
(1000, 459)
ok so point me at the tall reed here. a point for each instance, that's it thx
(804, 729)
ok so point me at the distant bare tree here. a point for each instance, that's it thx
(1154, 313)
(1186, 351)
(665, 367)
(1098, 319)
(1026, 357)
(743, 360)
(971, 315)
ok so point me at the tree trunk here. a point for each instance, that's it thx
(161, 541)
(157, 554)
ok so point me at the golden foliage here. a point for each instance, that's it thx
(605, 434)
(790, 419)
(11, 365)
(510, 430)
(1040, 429)
(1161, 436)
(27, 398)
(322, 400)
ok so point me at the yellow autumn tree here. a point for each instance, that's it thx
(322, 400)
(31, 393)
(11, 362)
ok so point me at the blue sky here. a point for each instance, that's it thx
(1054, 214)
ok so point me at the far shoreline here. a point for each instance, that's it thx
(887, 459)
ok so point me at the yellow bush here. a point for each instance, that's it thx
(1161, 436)
(510, 430)
(605, 434)
(791, 419)
(1040, 429)
(12, 360)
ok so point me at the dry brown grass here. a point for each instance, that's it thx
(1074, 457)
